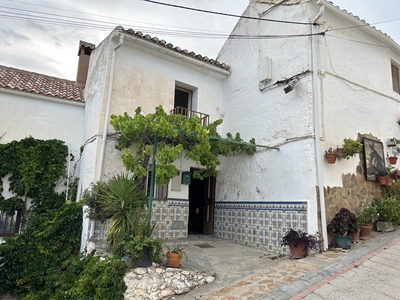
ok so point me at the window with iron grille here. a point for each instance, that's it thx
(160, 191)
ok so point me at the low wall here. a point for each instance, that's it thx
(259, 224)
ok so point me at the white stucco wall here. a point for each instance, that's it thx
(41, 117)
(354, 92)
(356, 89)
(270, 116)
(143, 76)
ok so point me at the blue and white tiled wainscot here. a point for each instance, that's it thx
(259, 224)
(171, 217)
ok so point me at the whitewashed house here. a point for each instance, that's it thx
(302, 84)
(299, 75)
(304, 88)
(40, 106)
(127, 70)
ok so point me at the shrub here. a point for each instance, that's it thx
(292, 237)
(34, 256)
(344, 223)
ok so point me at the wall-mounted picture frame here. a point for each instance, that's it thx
(374, 158)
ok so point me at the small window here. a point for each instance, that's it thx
(395, 78)
(160, 192)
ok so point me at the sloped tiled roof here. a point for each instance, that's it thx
(35, 83)
(361, 20)
(164, 44)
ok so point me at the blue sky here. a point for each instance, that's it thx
(51, 48)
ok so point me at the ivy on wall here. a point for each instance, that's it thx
(35, 166)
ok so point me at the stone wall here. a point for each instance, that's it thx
(355, 191)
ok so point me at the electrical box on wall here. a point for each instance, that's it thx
(186, 177)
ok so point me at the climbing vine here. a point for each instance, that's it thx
(35, 167)
(173, 134)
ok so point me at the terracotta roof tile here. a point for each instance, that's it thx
(163, 43)
(21, 80)
(362, 20)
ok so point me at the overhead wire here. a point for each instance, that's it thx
(226, 14)
(58, 19)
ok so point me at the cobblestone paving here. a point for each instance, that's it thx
(262, 284)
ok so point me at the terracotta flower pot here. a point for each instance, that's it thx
(381, 180)
(331, 158)
(355, 237)
(365, 233)
(389, 181)
(392, 160)
(174, 260)
(297, 252)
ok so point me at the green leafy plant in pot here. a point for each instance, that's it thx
(174, 256)
(300, 242)
(343, 225)
(351, 148)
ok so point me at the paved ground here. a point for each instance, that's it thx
(246, 273)
(369, 270)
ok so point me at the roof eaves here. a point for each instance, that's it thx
(170, 47)
(371, 29)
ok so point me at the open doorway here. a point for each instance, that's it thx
(201, 206)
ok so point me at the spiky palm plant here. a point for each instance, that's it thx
(124, 201)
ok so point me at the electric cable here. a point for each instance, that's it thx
(226, 14)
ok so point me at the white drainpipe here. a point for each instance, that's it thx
(106, 119)
(318, 153)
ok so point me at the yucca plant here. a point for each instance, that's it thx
(124, 201)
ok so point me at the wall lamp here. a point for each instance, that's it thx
(291, 85)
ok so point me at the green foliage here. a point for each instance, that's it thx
(33, 257)
(351, 148)
(86, 278)
(178, 250)
(368, 214)
(35, 167)
(134, 244)
(173, 134)
(388, 209)
(121, 199)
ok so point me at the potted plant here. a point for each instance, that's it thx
(330, 155)
(141, 247)
(388, 209)
(174, 256)
(355, 237)
(391, 142)
(369, 215)
(351, 148)
(343, 225)
(381, 177)
(300, 242)
(393, 158)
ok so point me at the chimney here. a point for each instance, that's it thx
(83, 64)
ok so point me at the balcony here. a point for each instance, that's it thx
(204, 119)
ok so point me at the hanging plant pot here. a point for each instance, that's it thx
(331, 158)
(389, 181)
(381, 180)
(393, 160)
